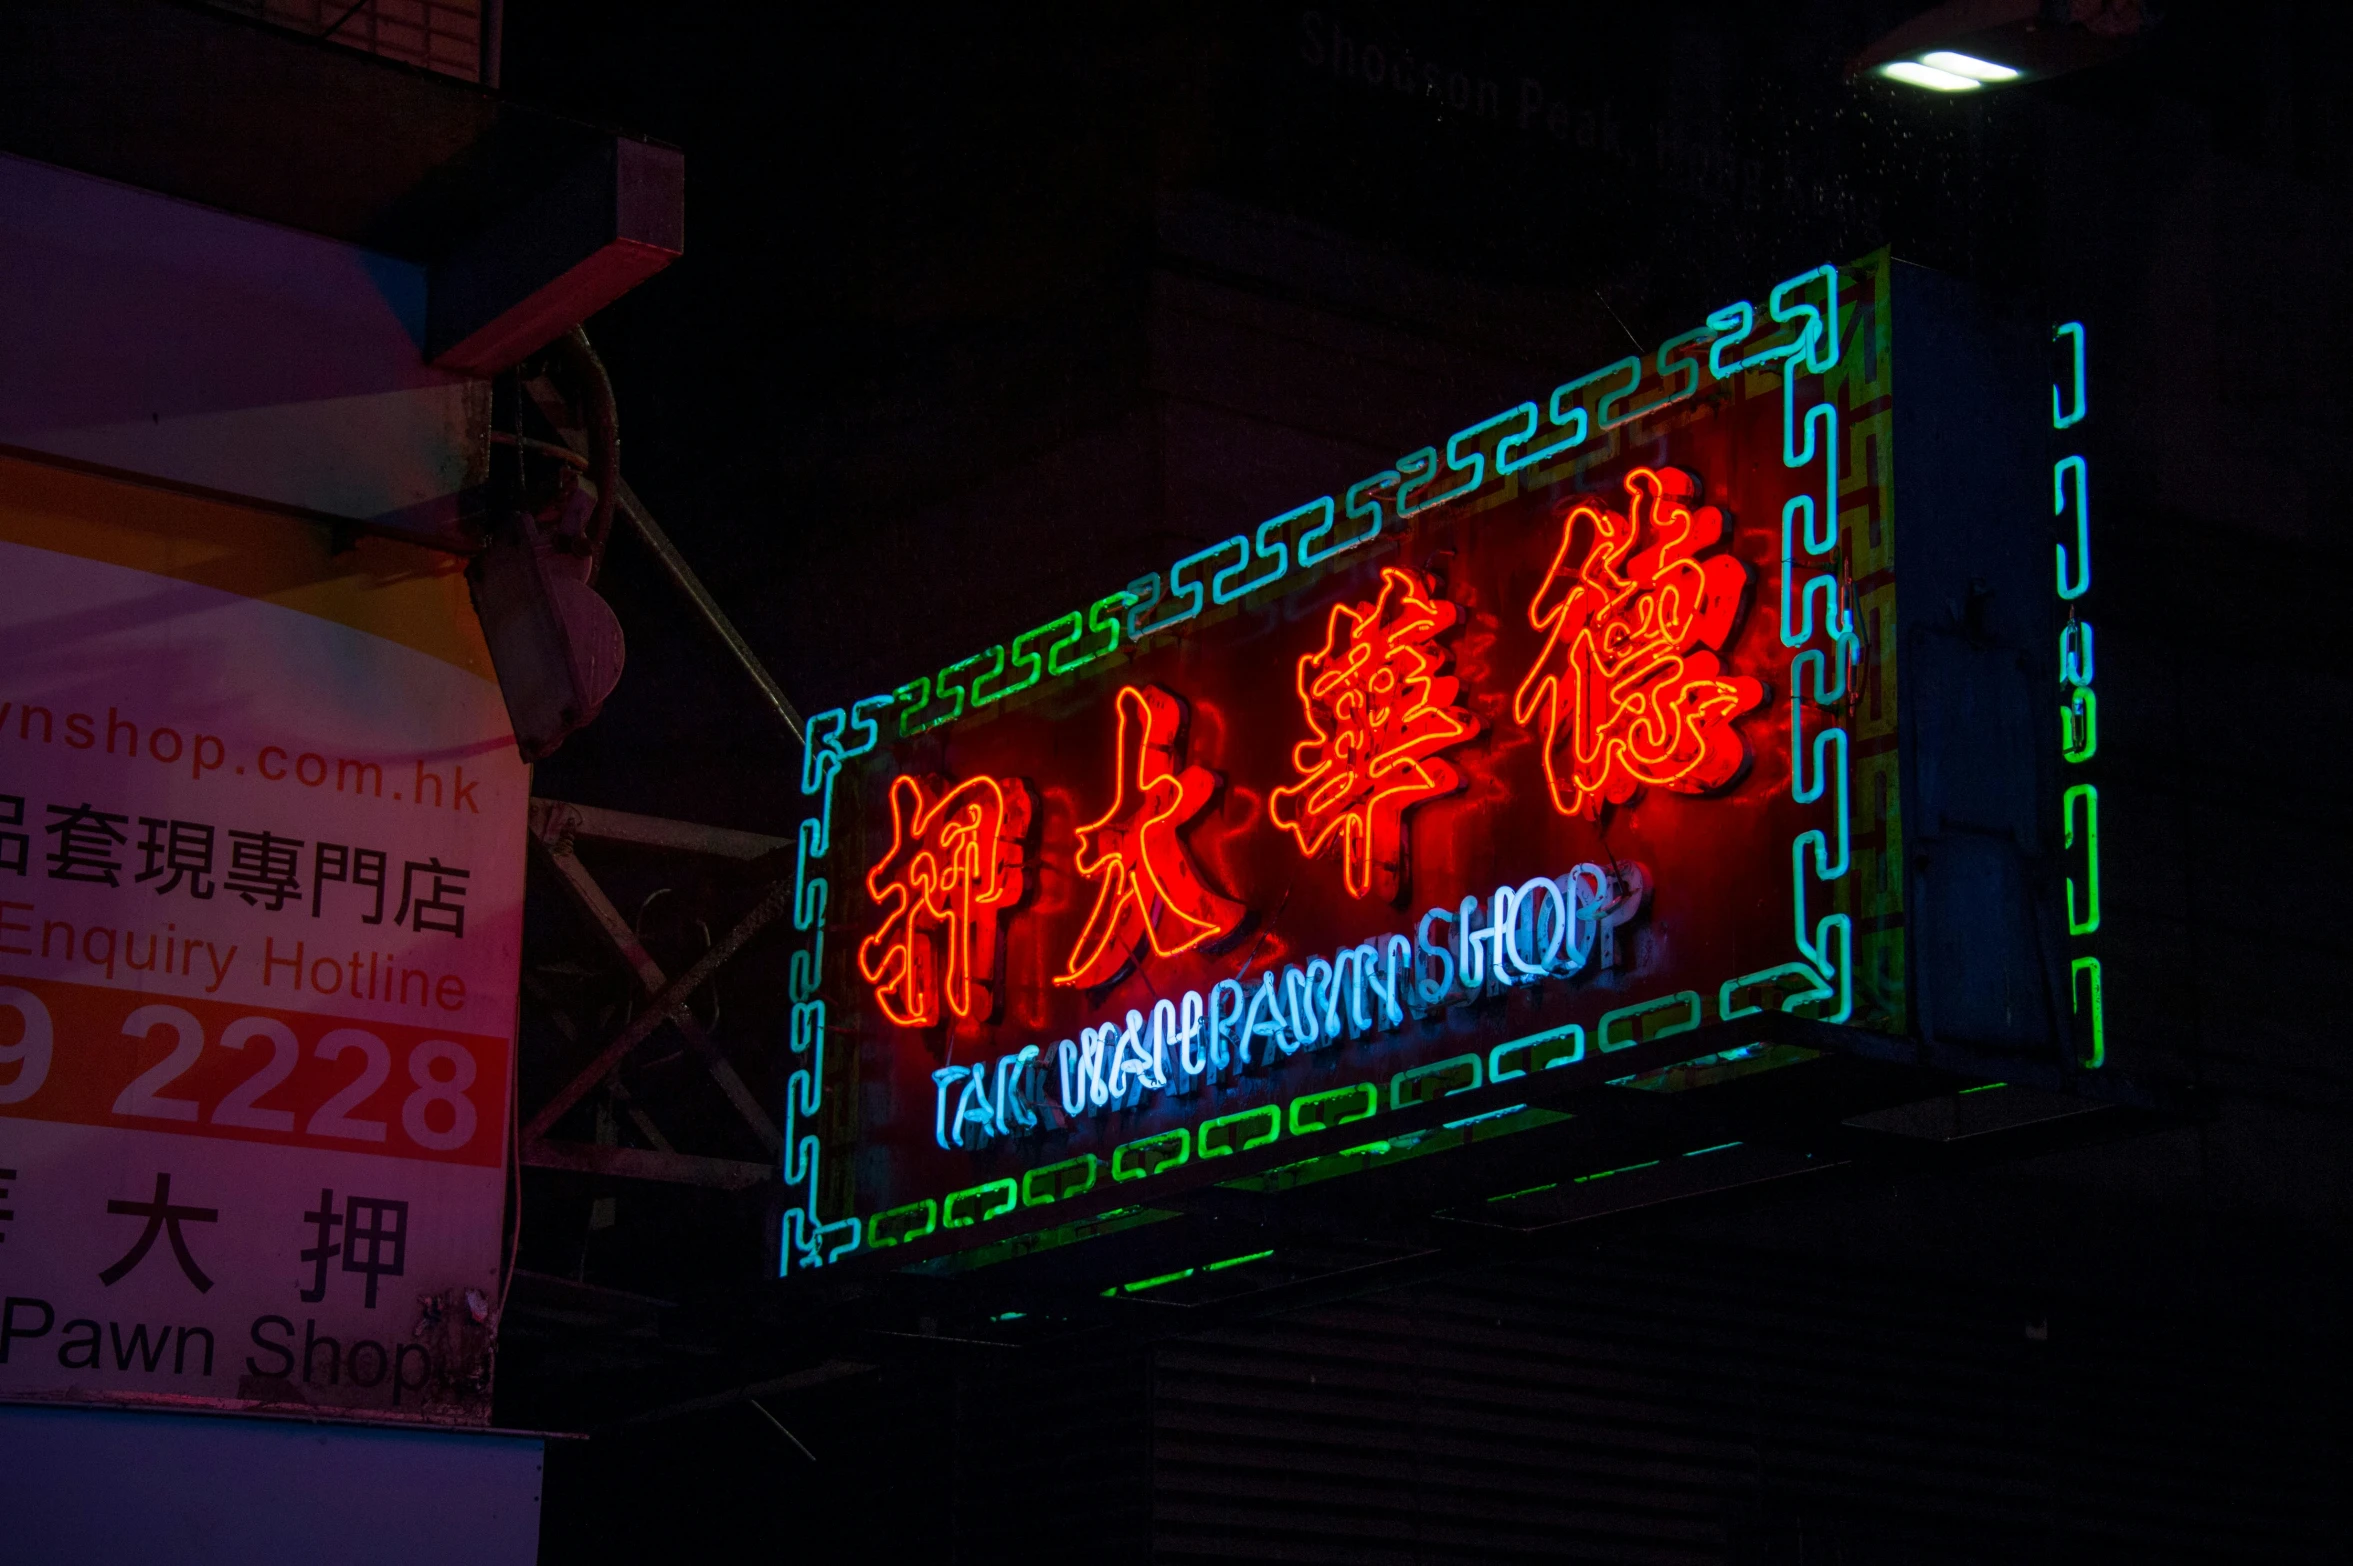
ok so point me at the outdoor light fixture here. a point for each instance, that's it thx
(1968, 65)
(1947, 70)
(1919, 73)
(1969, 45)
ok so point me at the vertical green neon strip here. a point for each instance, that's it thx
(2079, 726)
(2088, 920)
(2079, 712)
(2075, 996)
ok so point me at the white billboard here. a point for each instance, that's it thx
(261, 878)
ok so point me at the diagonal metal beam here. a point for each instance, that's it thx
(644, 1122)
(554, 845)
(564, 1025)
(690, 586)
(815, 1375)
(637, 1163)
(673, 995)
(685, 837)
(682, 576)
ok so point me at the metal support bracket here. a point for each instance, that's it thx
(553, 827)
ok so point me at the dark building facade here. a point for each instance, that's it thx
(987, 314)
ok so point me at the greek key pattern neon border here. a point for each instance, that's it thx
(2079, 702)
(1825, 573)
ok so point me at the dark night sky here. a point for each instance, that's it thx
(918, 239)
(922, 243)
(921, 249)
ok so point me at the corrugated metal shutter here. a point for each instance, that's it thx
(1643, 1406)
(1053, 1460)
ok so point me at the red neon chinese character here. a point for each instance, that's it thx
(1380, 710)
(954, 868)
(1150, 888)
(1629, 682)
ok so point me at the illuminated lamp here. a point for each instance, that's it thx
(1919, 73)
(1966, 46)
(1968, 66)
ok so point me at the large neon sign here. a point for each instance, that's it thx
(1536, 748)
